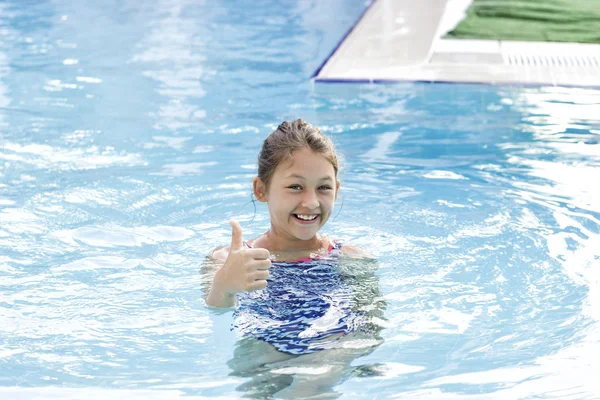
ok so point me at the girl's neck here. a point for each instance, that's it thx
(276, 243)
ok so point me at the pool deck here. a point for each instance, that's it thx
(402, 41)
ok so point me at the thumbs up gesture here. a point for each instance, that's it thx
(244, 270)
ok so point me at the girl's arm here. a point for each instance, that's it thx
(236, 269)
(212, 295)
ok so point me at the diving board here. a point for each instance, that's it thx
(400, 40)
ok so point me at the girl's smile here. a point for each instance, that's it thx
(307, 218)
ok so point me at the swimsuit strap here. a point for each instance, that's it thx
(335, 248)
(334, 245)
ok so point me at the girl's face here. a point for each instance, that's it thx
(300, 196)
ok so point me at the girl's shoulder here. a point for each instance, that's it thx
(348, 249)
(220, 253)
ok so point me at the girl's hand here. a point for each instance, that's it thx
(244, 270)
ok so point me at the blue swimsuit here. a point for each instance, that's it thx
(304, 301)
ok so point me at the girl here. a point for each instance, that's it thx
(297, 178)
(295, 295)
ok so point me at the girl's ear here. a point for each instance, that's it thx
(260, 190)
(337, 188)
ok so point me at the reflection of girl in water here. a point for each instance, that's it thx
(288, 284)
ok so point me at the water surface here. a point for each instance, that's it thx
(128, 139)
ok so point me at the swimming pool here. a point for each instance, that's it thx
(128, 138)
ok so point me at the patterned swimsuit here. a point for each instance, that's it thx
(305, 301)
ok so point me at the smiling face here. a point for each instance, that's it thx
(300, 197)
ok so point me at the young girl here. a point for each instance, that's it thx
(297, 178)
(297, 303)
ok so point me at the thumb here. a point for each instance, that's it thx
(236, 235)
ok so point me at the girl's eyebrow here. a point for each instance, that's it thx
(325, 178)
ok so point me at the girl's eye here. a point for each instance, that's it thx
(295, 187)
(325, 187)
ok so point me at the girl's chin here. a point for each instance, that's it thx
(306, 232)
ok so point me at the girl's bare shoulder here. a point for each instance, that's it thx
(352, 250)
(220, 253)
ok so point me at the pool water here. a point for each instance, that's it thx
(128, 138)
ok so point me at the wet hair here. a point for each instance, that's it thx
(288, 138)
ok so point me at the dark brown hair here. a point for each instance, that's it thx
(288, 138)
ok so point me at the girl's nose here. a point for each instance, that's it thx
(310, 201)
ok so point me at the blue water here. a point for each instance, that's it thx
(128, 137)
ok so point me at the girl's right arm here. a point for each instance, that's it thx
(244, 270)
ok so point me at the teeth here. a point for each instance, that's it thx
(306, 217)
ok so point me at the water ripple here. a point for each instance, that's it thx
(109, 236)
